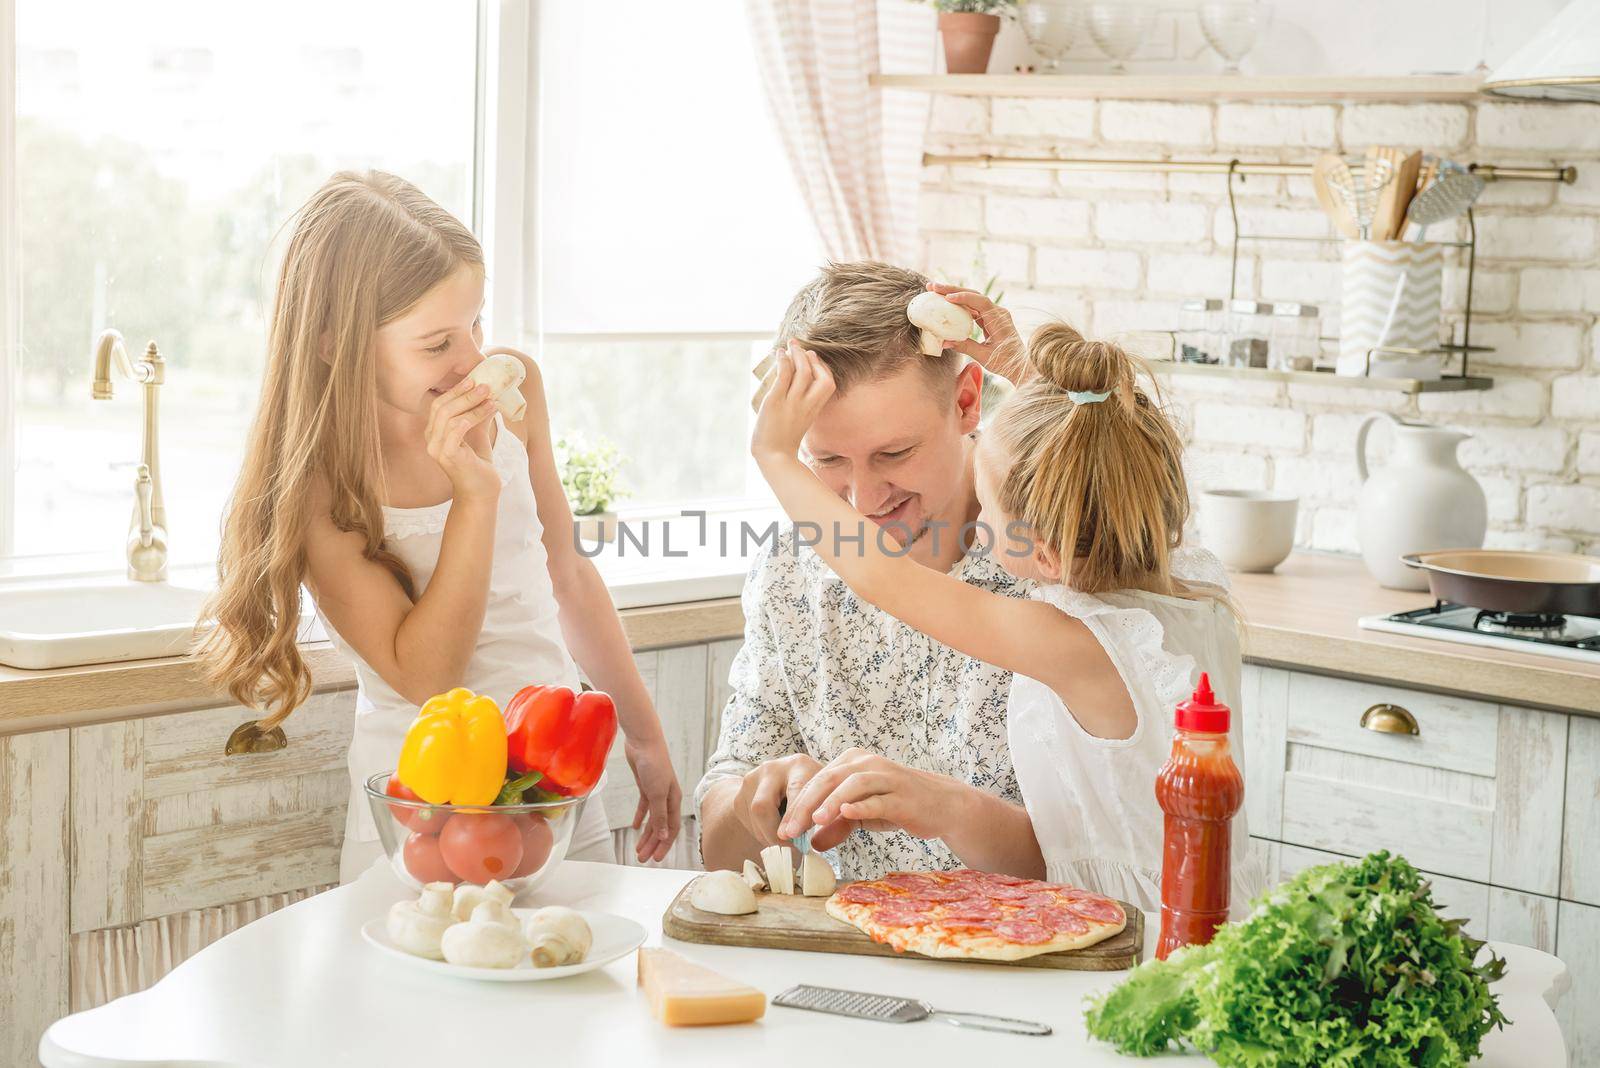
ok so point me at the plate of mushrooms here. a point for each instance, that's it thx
(473, 932)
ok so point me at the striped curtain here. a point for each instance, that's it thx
(855, 150)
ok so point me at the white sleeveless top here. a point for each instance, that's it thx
(520, 642)
(1092, 800)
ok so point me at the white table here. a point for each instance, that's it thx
(300, 987)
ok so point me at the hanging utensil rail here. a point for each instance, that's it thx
(1489, 172)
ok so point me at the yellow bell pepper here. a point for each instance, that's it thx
(455, 750)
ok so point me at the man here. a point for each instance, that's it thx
(828, 686)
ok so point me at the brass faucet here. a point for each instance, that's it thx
(147, 531)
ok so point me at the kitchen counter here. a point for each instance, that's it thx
(1302, 616)
(307, 966)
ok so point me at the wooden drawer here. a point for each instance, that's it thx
(1476, 794)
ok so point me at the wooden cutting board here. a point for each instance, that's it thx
(789, 921)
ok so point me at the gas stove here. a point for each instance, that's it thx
(1569, 637)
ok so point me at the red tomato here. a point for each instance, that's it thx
(479, 846)
(424, 861)
(537, 839)
(421, 820)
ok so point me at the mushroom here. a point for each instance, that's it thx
(416, 932)
(753, 877)
(503, 374)
(494, 912)
(469, 896)
(778, 861)
(436, 900)
(484, 943)
(940, 321)
(723, 892)
(556, 936)
(816, 876)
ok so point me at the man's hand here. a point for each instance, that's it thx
(765, 788)
(802, 386)
(1001, 350)
(860, 789)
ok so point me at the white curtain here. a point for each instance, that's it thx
(856, 150)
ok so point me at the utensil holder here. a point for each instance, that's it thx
(1392, 295)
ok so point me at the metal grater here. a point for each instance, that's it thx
(887, 1009)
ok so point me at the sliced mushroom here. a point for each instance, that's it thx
(753, 877)
(778, 861)
(816, 876)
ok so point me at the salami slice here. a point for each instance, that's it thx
(1056, 919)
(866, 894)
(1103, 910)
(1024, 932)
(905, 880)
(1008, 894)
(981, 910)
(934, 895)
(890, 916)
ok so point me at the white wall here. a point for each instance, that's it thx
(1331, 37)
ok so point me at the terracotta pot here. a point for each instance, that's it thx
(596, 527)
(968, 40)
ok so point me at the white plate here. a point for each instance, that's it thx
(614, 937)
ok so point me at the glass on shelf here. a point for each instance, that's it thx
(1295, 340)
(1249, 325)
(1200, 335)
(1118, 29)
(1232, 28)
(1052, 28)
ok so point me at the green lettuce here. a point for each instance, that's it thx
(1343, 965)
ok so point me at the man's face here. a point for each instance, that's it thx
(894, 448)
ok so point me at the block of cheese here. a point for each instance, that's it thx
(684, 994)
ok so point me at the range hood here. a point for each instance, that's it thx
(1561, 62)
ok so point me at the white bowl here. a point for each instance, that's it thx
(1248, 530)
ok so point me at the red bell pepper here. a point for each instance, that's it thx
(564, 736)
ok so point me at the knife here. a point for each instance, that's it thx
(801, 841)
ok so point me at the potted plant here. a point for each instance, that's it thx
(590, 478)
(969, 28)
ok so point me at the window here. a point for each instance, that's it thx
(160, 148)
(669, 237)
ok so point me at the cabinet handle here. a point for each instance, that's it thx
(1389, 719)
(248, 738)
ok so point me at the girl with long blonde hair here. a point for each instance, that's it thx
(1081, 487)
(431, 532)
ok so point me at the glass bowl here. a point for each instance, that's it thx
(520, 845)
(1232, 28)
(1052, 28)
(1118, 29)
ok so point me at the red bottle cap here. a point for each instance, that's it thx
(1202, 712)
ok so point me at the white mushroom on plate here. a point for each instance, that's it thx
(436, 901)
(724, 893)
(469, 896)
(940, 321)
(503, 374)
(495, 912)
(484, 943)
(416, 932)
(556, 936)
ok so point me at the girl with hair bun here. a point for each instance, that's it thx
(1081, 486)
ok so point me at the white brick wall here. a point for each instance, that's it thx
(1115, 252)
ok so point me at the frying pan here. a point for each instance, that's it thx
(1506, 580)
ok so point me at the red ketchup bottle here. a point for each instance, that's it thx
(1199, 789)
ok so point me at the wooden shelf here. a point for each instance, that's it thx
(1323, 378)
(1192, 86)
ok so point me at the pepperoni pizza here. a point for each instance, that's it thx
(974, 915)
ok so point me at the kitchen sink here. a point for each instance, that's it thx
(65, 624)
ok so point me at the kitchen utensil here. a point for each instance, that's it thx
(790, 921)
(398, 822)
(1360, 192)
(1450, 195)
(1419, 501)
(1329, 197)
(1508, 580)
(888, 1009)
(1390, 218)
(801, 841)
(1052, 28)
(1425, 178)
(1232, 27)
(1248, 530)
(1119, 28)
(614, 937)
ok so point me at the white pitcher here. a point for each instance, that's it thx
(1420, 500)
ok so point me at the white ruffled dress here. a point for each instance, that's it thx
(1092, 800)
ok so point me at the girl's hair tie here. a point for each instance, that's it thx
(1087, 396)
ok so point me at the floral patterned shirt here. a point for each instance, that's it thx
(822, 670)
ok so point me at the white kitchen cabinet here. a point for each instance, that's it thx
(1580, 852)
(1578, 946)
